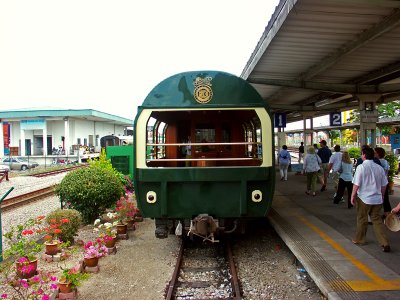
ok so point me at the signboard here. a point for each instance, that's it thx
(335, 118)
(280, 120)
(33, 124)
(6, 138)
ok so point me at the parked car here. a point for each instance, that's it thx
(4, 168)
(18, 163)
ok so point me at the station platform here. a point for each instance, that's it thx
(319, 233)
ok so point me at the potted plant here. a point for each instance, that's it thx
(68, 229)
(70, 279)
(126, 213)
(393, 165)
(23, 247)
(107, 231)
(53, 231)
(93, 251)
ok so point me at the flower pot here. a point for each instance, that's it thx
(51, 248)
(64, 287)
(138, 219)
(122, 228)
(390, 188)
(26, 269)
(110, 243)
(130, 223)
(91, 262)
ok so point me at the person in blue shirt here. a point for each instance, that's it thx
(284, 161)
(324, 154)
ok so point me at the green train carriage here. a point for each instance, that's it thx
(203, 154)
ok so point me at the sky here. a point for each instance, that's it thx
(108, 55)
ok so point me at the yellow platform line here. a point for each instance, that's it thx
(375, 284)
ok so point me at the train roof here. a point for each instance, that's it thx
(203, 89)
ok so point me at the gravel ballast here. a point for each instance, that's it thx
(143, 265)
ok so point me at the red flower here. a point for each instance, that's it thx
(27, 232)
(64, 221)
(57, 231)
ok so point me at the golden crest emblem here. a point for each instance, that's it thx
(202, 89)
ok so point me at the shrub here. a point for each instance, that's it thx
(90, 190)
(68, 229)
(393, 166)
(354, 152)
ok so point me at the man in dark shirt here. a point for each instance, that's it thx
(301, 152)
(324, 153)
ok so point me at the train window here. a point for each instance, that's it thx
(204, 138)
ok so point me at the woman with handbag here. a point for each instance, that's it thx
(345, 179)
(312, 164)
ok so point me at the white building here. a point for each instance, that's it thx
(38, 132)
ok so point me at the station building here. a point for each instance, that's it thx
(39, 132)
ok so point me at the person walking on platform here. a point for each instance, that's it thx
(380, 154)
(324, 153)
(301, 152)
(369, 185)
(345, 179)
(284, 160)
(335, 162)
(311, 167)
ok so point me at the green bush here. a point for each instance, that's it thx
(354, 152)
(70, 229)
(393, 166)
(90, 190)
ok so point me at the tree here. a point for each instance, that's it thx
(349, 136)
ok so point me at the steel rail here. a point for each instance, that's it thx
(175, 275)
(232, 269)
(53, 172)
(171, 289)
(27, 198)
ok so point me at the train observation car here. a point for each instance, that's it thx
(203, 154)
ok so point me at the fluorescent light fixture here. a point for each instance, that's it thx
(324, 102)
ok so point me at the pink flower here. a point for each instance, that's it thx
(45, 297)
(53, 278)
(3, 296)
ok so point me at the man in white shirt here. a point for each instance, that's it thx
(369, 184)
(335, 163)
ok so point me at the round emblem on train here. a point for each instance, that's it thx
(202, 91)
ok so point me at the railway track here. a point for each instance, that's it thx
(54, 172)
(205, 271)
(27, 198)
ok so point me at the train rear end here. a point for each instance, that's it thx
(204, 163)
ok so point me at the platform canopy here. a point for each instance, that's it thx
(322, 56)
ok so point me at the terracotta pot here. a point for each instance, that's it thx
(65, 287)
(91, 262)
(390, 188)
(26, 270)
(130, 223)
(110, 243)
(138, 219)
(122, 228)
(51, 248)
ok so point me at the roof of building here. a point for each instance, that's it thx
(316, 56)
(60, 114)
